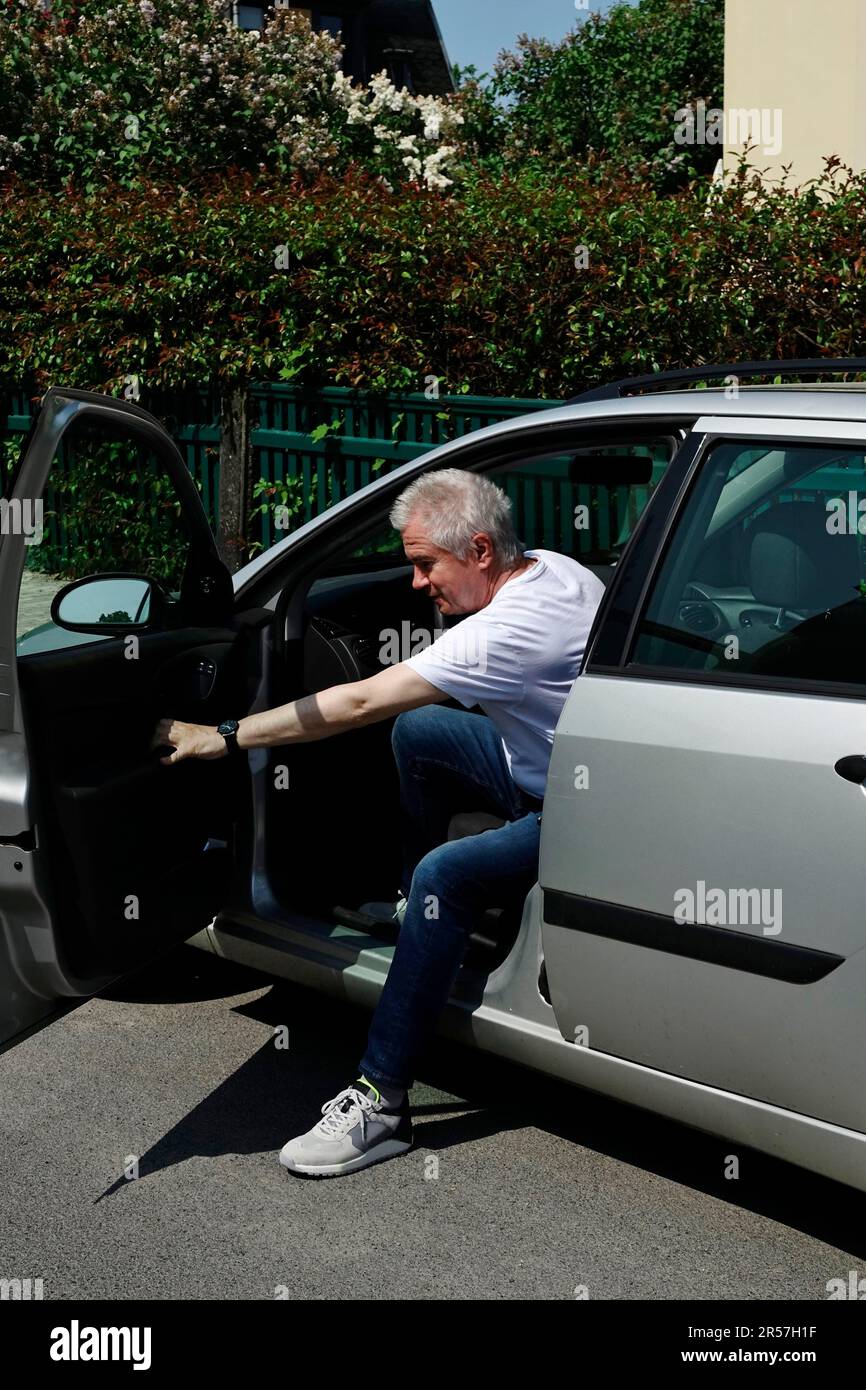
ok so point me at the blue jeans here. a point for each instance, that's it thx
(448, 761)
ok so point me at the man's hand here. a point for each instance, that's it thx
(332, 711)
(188, 741)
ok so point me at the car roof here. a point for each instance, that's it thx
(824, 402)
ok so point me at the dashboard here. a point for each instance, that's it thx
(352, 616)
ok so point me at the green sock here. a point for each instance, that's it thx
(393, 1096)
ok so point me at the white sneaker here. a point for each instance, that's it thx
(357, 1130)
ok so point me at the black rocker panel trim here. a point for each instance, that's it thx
(778, 960)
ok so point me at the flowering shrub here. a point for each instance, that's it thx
(386, 111)
(137, 88)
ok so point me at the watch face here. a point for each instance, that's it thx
(228, 726)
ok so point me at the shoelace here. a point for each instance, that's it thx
(339, 1119)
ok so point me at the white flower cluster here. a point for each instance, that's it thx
(366, 106)
(193, 87)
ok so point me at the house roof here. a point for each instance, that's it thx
(410, 24)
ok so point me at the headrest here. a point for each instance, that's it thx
(796, 563)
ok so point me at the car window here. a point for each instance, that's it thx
(584, 503)
(109, 507)
(383, 547)
(765, 574)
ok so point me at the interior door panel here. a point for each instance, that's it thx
(126, 835)
(124, 856)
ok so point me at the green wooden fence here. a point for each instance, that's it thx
(367, 436)
(329, 443)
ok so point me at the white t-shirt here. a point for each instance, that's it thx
(519, 656)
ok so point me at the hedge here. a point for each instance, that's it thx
(344, 283)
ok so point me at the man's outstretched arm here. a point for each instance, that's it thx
(332, 711)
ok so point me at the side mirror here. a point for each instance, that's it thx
(117, 603)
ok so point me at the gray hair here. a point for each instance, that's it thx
(452, 505)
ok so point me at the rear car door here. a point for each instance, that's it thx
(107, 857)
(704, 825)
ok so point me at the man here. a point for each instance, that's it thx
(517, 656)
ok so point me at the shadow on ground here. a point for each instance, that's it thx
(279, 1093)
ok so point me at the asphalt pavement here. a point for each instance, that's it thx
(34, 599)
(139, 1135)
(518, 1187)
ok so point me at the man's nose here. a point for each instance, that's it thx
(419, 579)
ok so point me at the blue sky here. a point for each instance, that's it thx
(475, 30)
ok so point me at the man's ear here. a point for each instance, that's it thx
(483, 547)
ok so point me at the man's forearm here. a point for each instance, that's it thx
(331, 711)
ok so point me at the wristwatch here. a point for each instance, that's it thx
(229, 730)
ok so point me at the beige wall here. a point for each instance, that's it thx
(805, 59)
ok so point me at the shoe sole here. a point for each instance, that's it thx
(389, 1148)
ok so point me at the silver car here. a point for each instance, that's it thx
(695, 942)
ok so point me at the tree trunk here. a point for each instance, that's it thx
(234, 486)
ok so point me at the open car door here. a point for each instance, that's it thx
(108, 857)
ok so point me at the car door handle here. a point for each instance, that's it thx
(852, 768)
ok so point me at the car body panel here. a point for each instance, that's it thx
(715, 795)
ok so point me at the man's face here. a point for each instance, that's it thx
(456, 586)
